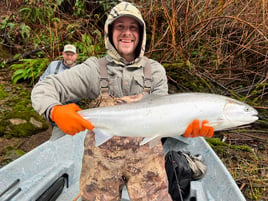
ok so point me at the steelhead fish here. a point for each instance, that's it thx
(155, 117)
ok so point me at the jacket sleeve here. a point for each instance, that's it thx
(76, 83)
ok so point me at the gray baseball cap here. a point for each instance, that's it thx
(69, 48)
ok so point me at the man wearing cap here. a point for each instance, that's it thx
(120, 160)
(69, 60)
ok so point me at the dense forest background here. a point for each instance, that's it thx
(215, 46)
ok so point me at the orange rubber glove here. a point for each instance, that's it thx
(194, 130)
(68, 120)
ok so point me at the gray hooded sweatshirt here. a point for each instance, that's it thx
(83, 81)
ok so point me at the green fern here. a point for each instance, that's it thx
(28, 69)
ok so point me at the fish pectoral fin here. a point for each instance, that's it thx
(152, 141)
(101, 136)
(214, 123)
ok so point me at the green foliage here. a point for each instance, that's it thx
(86, 47)
(9, 153)
(71, 28)
(2, 129)
(25, 30)
(184, 76)
(23, 129)
(22, 106)
(28, 69)
(39, 13)
(220, 146)
(2, 64)
(18, 106)
(6, 24)
(3, 93)
(79, 8)
(107, 5)
(20, 152)
(14, 29)
(43, 38)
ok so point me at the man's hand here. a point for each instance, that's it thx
(68, 120)
(194, 130)
(129, 99)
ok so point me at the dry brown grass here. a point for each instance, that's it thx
(223, 43)
(226, 40)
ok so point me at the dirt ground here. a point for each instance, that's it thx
(249, 168)
(25, 144)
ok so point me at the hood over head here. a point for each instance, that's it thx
(120, 10)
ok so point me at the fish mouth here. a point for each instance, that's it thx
(255, 114)
(255, 117)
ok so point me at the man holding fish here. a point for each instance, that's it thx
(121, 160)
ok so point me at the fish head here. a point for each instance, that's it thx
(238, 113)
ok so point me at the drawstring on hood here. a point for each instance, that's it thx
(124, 9)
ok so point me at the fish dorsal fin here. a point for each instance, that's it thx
(101, 136)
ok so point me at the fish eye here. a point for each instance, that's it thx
(246, 109)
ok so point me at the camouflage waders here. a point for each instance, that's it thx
(122, 161)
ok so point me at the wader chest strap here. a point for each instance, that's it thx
(104, 76)
(58, 67)
(147, 77)
(104, 83)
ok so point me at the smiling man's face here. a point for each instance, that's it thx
(126, 37)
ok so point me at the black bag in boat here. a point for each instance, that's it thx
(181, 169)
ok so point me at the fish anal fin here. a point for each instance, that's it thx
(101, 136)
(153, 141)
